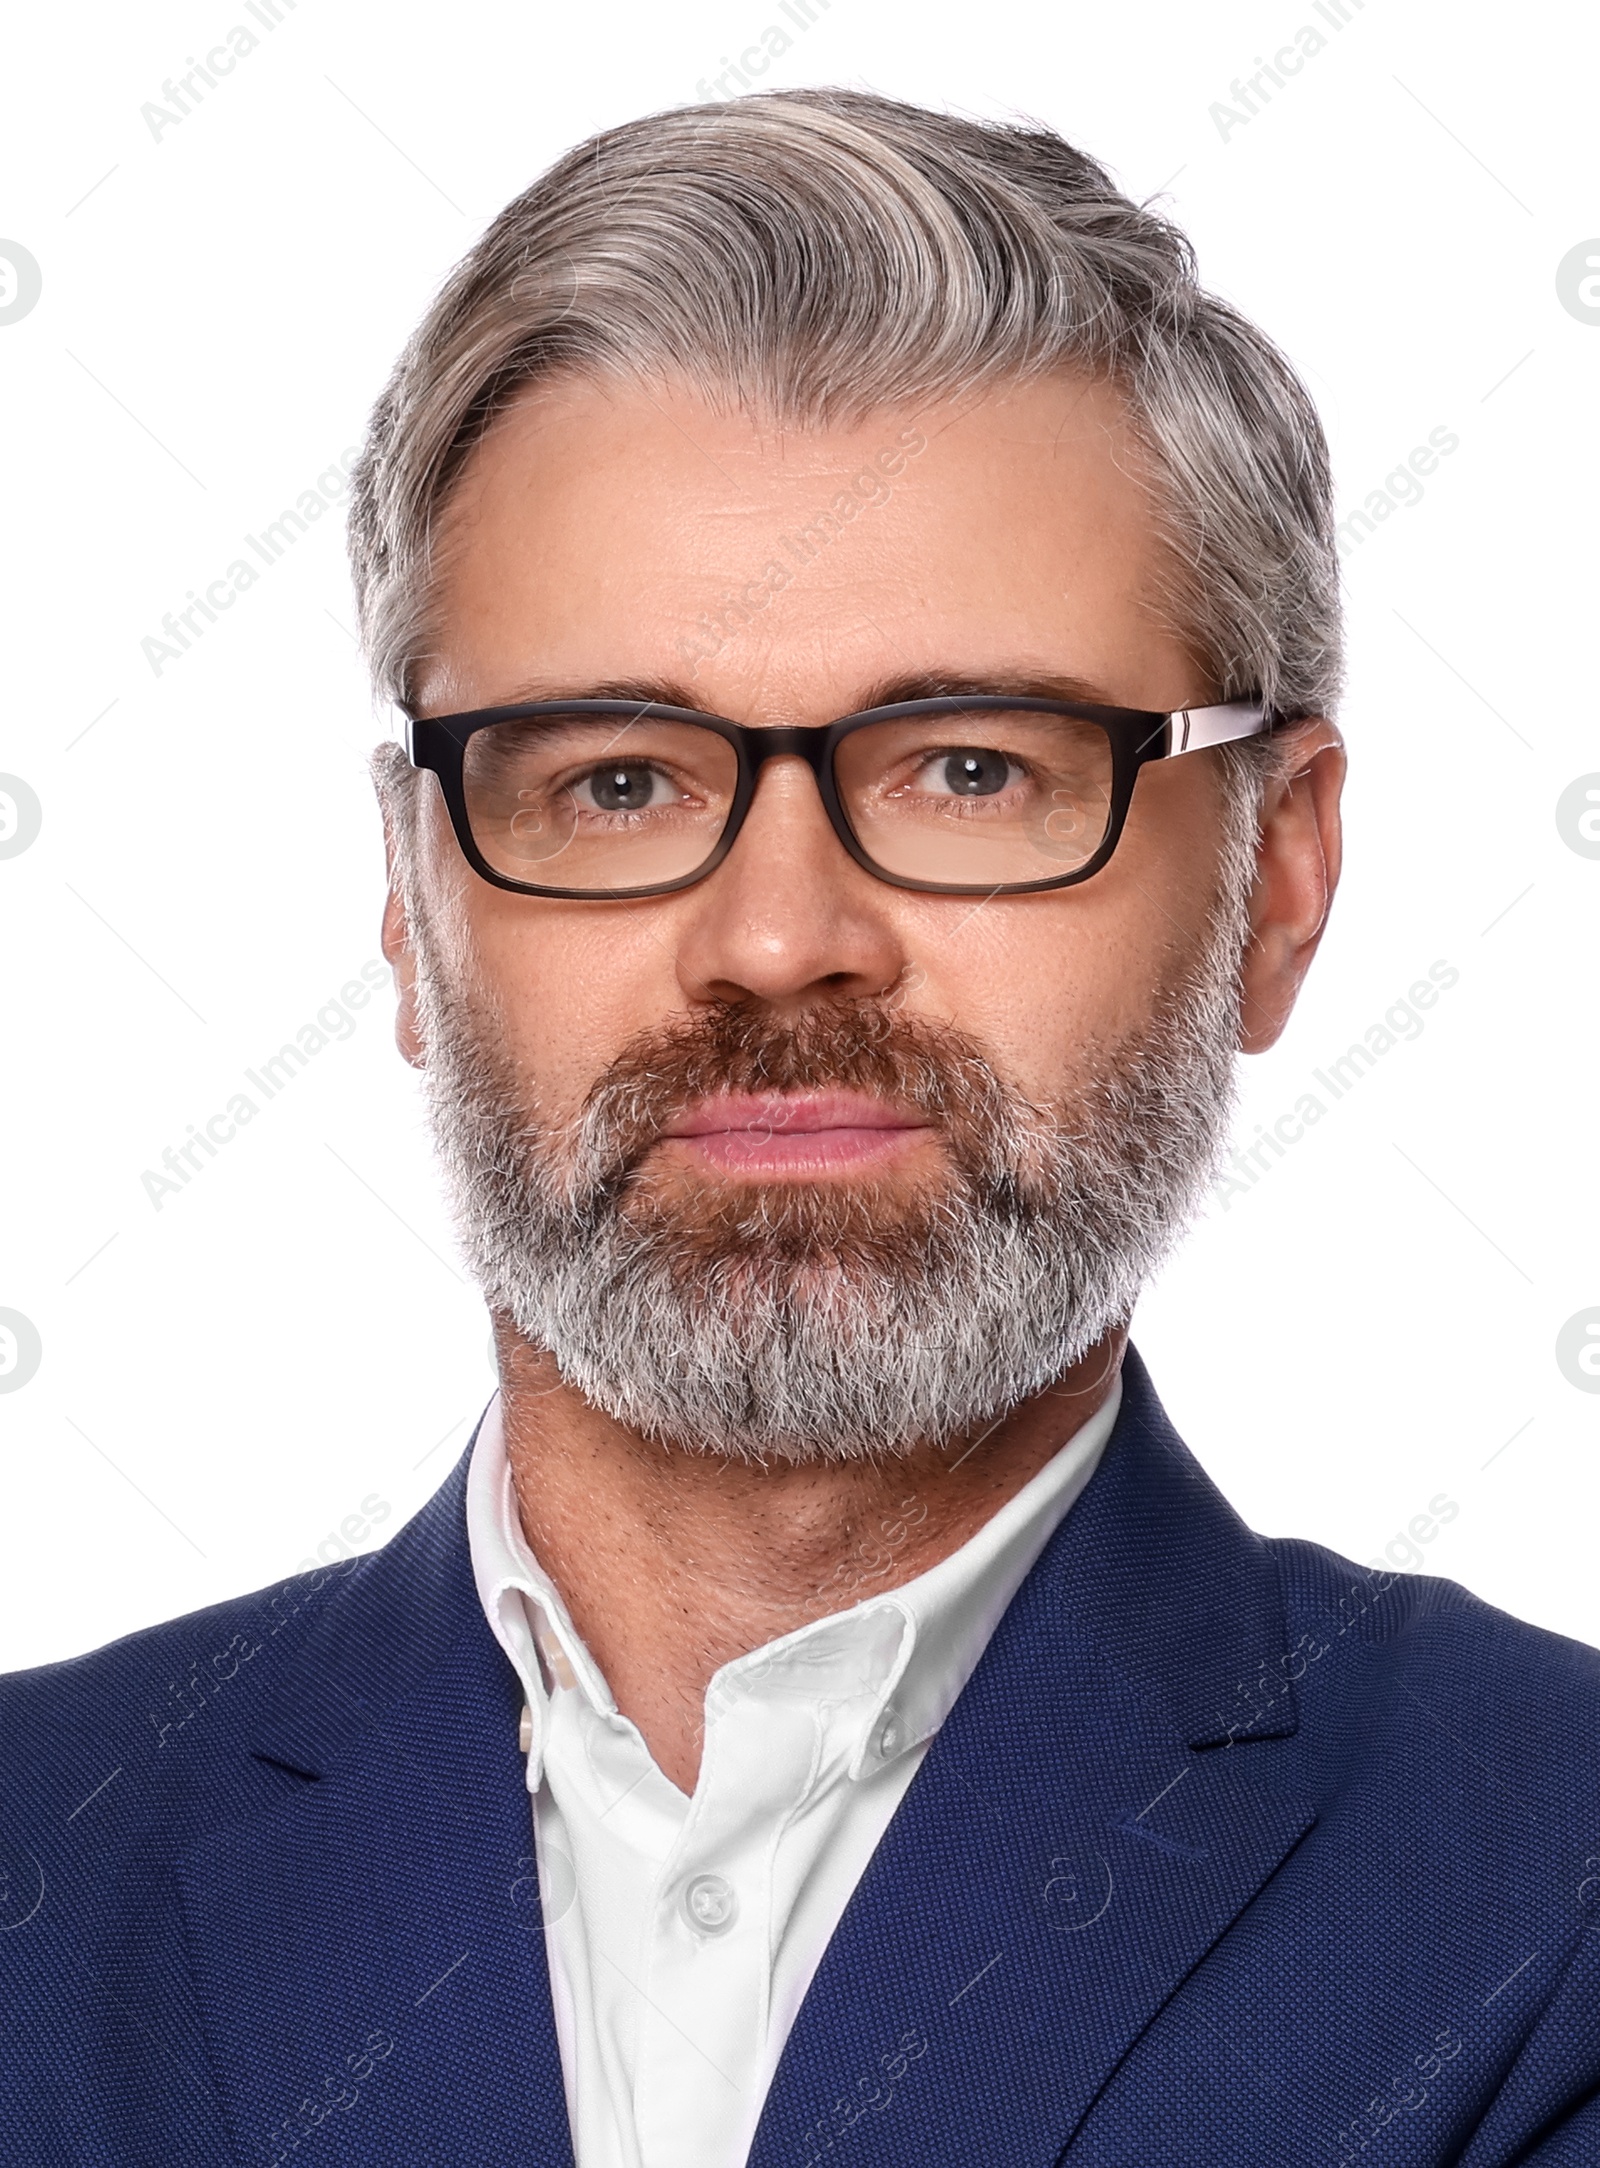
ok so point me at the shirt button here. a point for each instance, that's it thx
(709, 1904)
(891, 1737)
(525, 1730)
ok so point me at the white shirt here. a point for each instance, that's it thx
(682, 1933)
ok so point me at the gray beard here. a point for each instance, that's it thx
(802, 1322)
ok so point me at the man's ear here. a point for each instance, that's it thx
(398, 948)
(1297, 871)
(401, 956)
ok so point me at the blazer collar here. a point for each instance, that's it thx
(1151, 1561)
(1104, 1800)
(1156, 1567)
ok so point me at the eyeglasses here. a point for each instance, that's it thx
(982, 794)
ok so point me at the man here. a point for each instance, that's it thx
(864, 625)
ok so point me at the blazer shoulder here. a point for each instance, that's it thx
(151, 1694)
(174, 1723)
(1446, 1654)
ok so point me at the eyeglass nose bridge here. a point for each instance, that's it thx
(804, 741)
(756, 744)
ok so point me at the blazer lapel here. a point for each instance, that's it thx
(368, 1950)
(1092, 1817)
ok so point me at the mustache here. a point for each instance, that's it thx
(929, 1068)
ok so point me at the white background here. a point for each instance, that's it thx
(224, 1380)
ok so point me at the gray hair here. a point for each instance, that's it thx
(819, 255)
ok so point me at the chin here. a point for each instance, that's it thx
(790, 1220)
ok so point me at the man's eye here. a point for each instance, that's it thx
(968, 771)
(628, 787)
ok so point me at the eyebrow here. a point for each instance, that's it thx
(954, 684)
(885, 692)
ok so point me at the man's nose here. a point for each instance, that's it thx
(789, 917)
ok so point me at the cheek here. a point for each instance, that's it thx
(1042, 982)
(1034, 981)
(1174, 833)
(571, 986)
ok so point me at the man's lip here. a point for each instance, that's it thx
(793, 1114)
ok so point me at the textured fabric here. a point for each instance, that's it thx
(682, 1934)
(1230, 1855)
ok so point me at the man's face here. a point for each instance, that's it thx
(596, 540)
(594, 533)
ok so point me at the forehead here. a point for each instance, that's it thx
(629, 531)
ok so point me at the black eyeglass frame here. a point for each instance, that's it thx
(1136, 736)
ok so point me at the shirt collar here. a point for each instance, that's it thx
(914, 1646)
(516, 1592)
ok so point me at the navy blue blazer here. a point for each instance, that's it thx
(1231, 1853)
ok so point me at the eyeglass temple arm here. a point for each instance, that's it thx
(1188, 729)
